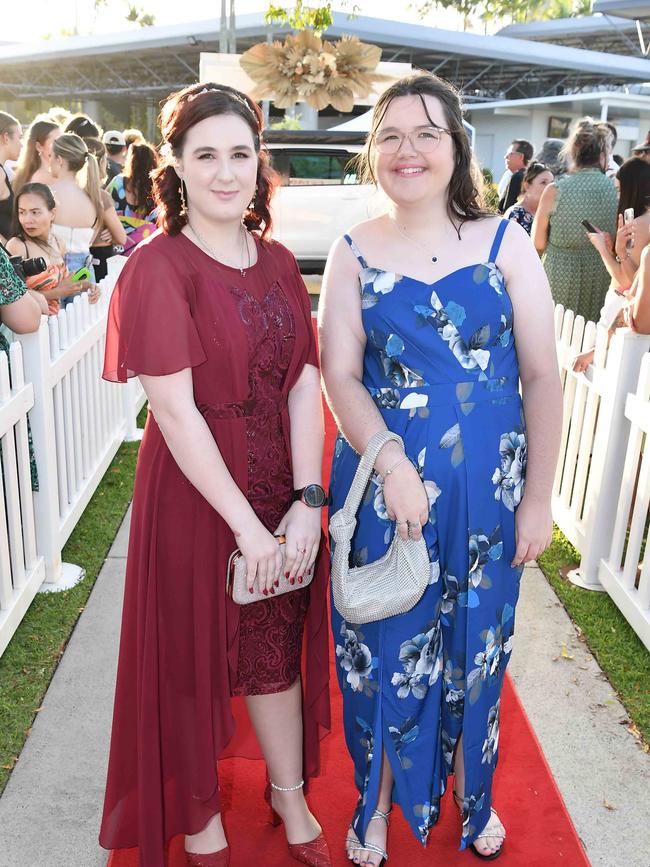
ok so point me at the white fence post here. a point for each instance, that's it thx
(625, 572)
(626, 352)
(36, 361)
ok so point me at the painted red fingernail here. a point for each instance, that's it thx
(250, 589)
(286, 574)
(272, 590)
(299, 579)
(265, 591)
(292, 580)
(277, 583)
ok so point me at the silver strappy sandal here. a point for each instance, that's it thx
(498, 835)
(353, 844)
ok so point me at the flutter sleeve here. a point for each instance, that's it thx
(150, 327)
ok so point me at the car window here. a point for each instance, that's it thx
(314, 168)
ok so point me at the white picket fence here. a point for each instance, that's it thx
(606, 413)
(78, 422)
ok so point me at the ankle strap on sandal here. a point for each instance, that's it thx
(287, 788)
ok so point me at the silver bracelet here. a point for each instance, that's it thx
(288, 788)
(395, 466)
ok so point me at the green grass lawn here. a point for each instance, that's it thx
(32, 656)
(619, 652)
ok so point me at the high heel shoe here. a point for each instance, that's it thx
(353, 844)
(210, 859)
(314, 853)
(496, 834)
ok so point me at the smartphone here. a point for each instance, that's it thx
(81, 274)
(628, 217)
(588, 226)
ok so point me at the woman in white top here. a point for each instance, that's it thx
(622, 255)
(77, 190)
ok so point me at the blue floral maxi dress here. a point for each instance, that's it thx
(441, 365)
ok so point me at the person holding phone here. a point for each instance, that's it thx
(622, 256)
(34, 216)
(577, 275)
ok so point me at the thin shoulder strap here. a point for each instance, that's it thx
(494, 252)
(356, 251)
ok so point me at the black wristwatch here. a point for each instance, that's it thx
(313, 496)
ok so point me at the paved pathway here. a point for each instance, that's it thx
(49, 813)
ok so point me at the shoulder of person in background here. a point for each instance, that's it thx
(513, 189)
(112, 169)
(10, 167)
(502, 186)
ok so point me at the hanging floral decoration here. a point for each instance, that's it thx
(304, 68)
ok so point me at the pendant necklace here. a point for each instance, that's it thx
(433, 258)
(244, 243)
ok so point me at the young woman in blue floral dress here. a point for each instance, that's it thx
(431, 315)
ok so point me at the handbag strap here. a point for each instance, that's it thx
(364, 470)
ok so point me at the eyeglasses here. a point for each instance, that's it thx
(424, 139)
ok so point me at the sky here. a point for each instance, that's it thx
(32, 19)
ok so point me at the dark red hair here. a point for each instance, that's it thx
(180, 112)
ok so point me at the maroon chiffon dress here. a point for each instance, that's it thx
(187, 652)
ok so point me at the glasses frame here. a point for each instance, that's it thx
(407, 135)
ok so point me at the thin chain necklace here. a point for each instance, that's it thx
(434, 258)
(244, 243)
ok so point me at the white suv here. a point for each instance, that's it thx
(320, 197)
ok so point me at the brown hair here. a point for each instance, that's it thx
(30, 160)
(74, 151)
(465, 191)
(180, 112)
(141, 160)
(587, 143)
(634, 180)
(534, 169)
(7, 122)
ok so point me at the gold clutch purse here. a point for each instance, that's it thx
(237, 586)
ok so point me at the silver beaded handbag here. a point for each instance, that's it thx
(389, 586)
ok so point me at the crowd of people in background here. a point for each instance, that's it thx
(75, 195)
(587, 210)
(72, 196)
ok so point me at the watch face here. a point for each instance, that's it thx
(314, 496)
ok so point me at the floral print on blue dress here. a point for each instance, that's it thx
(440, 365)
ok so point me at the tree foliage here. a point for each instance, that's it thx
(300, 17)
(508, 10)
(135, 14)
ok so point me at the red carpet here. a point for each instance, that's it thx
(540, 832)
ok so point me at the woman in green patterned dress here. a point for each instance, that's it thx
(578, 278)
(21, 312)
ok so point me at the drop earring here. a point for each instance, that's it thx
(181, 190)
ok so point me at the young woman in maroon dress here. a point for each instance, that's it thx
(215, 320)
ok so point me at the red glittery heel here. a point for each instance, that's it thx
(314, 853)
(211, 859)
